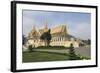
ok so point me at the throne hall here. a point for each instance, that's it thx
(59, 34)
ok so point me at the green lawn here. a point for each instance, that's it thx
(43, 56)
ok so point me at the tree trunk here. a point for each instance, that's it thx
(45, 42)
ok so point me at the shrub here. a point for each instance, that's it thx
(72, 55)
(30, 48)
(51, 47)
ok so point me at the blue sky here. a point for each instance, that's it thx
(78, 24)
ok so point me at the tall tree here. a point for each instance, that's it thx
(46, 37)
(89, 41)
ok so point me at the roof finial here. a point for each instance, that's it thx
(46, 26)
(33, 26)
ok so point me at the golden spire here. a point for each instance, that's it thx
(46, 27)
(33, 32)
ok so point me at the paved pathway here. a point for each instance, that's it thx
(85, 51)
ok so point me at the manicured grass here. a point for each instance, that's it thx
(43, 56)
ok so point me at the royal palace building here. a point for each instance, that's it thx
(60, 37)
